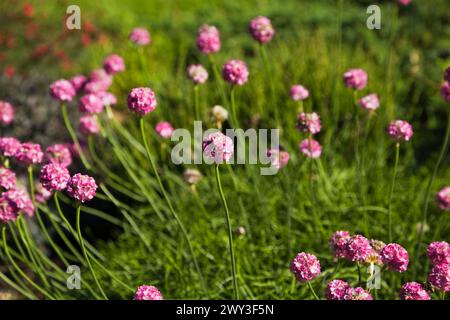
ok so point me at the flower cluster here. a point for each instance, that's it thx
(261, 29)
(141, 101)
(235, 72)
(278, 158)
(305, 267)
(355, 79)
(298, 92)
(208, 40)
(164, 129)
(145, 292)
(218, 148)
(308, 122)
(140, 36)
(6, 113)
(400, 130)
(310, 148)
(197, 73)
(81, 187)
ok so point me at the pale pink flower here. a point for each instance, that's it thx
(400, 130)
(62, 90)
(81, 187)
(7, 211)
(310, 148)
(54, 177)
(298, 92)
(88, 125)
(208, 39)
(355, 78)
(442, 197)
(305, 267)
(218, 148)
(58, 154)
(357, 294)
(278, 158)
(370, 102)
(308, 122)
(261, 29)
(164, 129)
(9, 146)
(29, 153)
(197, 73)
(145, 292)
(141, 101)
(113, 64)
(7, 178)
(336, 290)
(91, 103)
(140, 36)
(42, 194)
(6, 113)
(108, 99)
(99, 81)
(20, 201)
(414, 291)
(395, 257)
(439, 252)
(235, 72)
(338, 243)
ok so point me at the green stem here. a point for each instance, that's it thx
(312, 290)
(196, 103)
(217, 78)
(391, 193)
(233, 107)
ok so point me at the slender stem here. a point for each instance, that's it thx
(269, 75)
(217, 78)
(233, 107)
(230, 234)
(359, 273)
(391, 193)
(312, 290)
(196, 103)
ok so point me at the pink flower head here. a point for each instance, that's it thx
(445, 91)
(308, 122)
(140, 36)
(81, 187)
(400, 130)
(305, 267)
(357, 294)
(403, 2)
(197, 73)
(443, 198)
(9, 146)
(91, 103)
(447, 74)
(7, 178)
(78, 82)
(29, 153)
(58, 154)
(395, 257)
(413, 291)
(439, 277)
(357, 248)
(99, 81)
(108, 99)
(336, 290)
(370, 102)
(310, 148)
(54, 177)
(147, 293)
(261, 29)
(88, 125)
(235, 72)
(208, 39)
(439, 252)
(278, 158)
(113, 64)
(218, 147)
(62, 90)
(355, 78)
(298, 92)
(164, 129)
(7, 211)
(375, 255)
(141, 100)
(338, 243)
(6, 113)
(20, 201)
(42, 194)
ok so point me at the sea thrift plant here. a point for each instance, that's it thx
(54, 177)
(370, 102)
(414, 291)
(235, 72)
(310, 148)
(355, 79)
(140, 36)
(91, 103)
(305, 267)
(108, 99)
(164, 129)
(114, 64)
(357, 294)
(29, 153)
(278, 158)
(99, 81)
(338, 243)
(400, 130)
(439, 277)
(261, 29)
(88, 125)
(197, 73)
(82, 187)
(9, 146)
(336, 290)
(395, 257)
(298, 92)
(145, 292)
(58, 154)
(20, 201)
(7, 179)
(7, 212)
(78, 82)
(208, 39)
(357, 248)
(6, 113)
(218, 147)
(62, 90)
(439, 252)
(442, 197)
(141, 101)
(308, 122)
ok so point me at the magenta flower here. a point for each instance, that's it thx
(400, 130)
(99, 81)
(218, 148)
(7, 179)
(140, 36)
(6, 113)
(414, 291)
(88, 125)
(445, 91)
(141, 101)
(395, 257)
(54, 177)
(9, 146)
(298, 92)
(336, 290)
(113, 64)
(305, 267)
(370, 102)
(310, 148)
(108, 99)
(7, 211)
(308, 122)
(42, 194)
(91, 103)
(164, 129)
(442, 197)
(338, 243)
(357, 294)
(208, 39)
(235, 72)
(278, 158)
(355, 78)
(261, 29)
(147, 293)
(29, 153)
(197, 73)
(357, 248)
(439, 252)
(20, 201)
(58, 154)
(78, 82)
(439, 277)
(62, 90)
(81, 187)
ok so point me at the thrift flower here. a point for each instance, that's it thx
(108, 99)
(308, 122)
(208, 39)
(78, 82)
(310, 148)
(305, 267)
(355, 78)
(6, 113)
(88, 125)
(91, 103)
(20, 201)
(357, 294)
(54, 177)
(439, 277)
(140, 36)
(99, 81)
(400, 130)
(58, 154)
(62, 90)
(164, 129)
(29, 153)
(298, 92)
(82, 187)
(7, 178)
(218, 148)
(261, 29)
(439, 252)
(278, 158)
(336, 290)
(7, 212)
(141, 101)
(357, 248)
(395, 257)
(338, 243)
(414, 291)
(235, 72)
(114, 64)
(147, 293)
(442, 197)
(370, 102)
(197, 73)
(9, 146)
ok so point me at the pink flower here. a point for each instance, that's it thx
(355, 78)
(218, 148)
(78, 82)
(7, 179)
(357, 294)
(338, 243)
(305, 267)
(235, 72)
(62, 90)
(164, 129)
(7, 211)
(108, 99)
(9, 146)
(403, 2)
(357, 248)
(19, 200)
(395, 257)
(439, 277)
(42, 194)
(197, 73)
(375, 255)
(81, 187)
(261, 29)
(88, 125)
(114, 64)
(370, 102)
(442, 197)
(439, 252)
(141, 101)
(298, 92)
(414, 291)
(29, 153)
(278, 158)
(58, 154)
(310, 148)
(91, 103)
(54, 177)
(99, 81)
(147, 293)
(336, 290)
(140, 36)
(208, 39)
(308, 122)
(400, 130)
(6, 113)
(445, 91)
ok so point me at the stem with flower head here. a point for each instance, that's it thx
(312, 290)
(391, 193)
